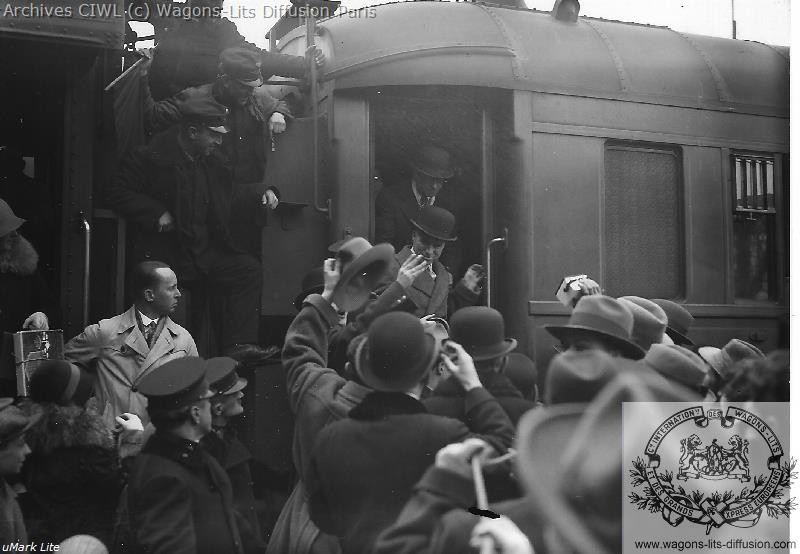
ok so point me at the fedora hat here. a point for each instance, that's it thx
(679, 365)
(436, 222)
(395, 353)
(601, 318)
(679, 320)
(433, 161)
(313, 283)
(481, 331)
(570, 463)
(577, 377)
(62, 383)
(723, 359)
(8, 219)
(649, 321)
(357, 257)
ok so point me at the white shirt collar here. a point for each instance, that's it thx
(417, 195)
(146, 320)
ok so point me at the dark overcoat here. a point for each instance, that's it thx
(364, 468)
(179, 500)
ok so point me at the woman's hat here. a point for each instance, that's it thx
(357, 257)
(433, 161)
(62, 383)
(13, 421)
(601, 318)
(313, 283)
(395, 353)
(649, 321)
(481, 331)
(436, 222)
(8, 219)
(679, 320)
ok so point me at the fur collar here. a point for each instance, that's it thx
(21, 259)
(66, 427)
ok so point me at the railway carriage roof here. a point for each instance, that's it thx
(461, 43)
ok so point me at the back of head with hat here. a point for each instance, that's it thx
(481, 331)
(679, 321)
(61, 383)
(436, 222)
(679, 365)
(396, 353)
(205, 111)
(722, 360)
(176, 384)
(577, 377)
(522, 373)
(601, 319)
(433, 161)
(241, 65)
(8, 219)
(222, 377)
(362, 266)
(13, 421)
(649, 321)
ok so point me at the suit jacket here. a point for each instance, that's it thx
(117, 353)
(436, 521)
(179, 500)
(364, 468)
(432, 296)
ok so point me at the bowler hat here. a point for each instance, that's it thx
(8, 219)
(649, 321)
(62, 383)
(601, 318)
(578, 376)
(481, 331)
(358, 257)
(313, 282)
(722, 360)
(176, 384)
(679, 365)
(206, 111)
(679, 320)
(570, 462)
(13, 421)
(222, 377)
(395, 353)
(242, 65)
(436, 222)
(433, 161)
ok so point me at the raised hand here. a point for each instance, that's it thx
(412, 268)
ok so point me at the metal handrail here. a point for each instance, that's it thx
(86, 228)
(311, 23)
(489, 245)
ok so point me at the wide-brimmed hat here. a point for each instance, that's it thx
(222, 377)
(570, 462)
(722, 360)
(395, 353)
(62, 383)
(578, 376)
(13, 421)
(649, 321)
(433, 161)
(436, 222)
(602, 318)
(679, 365)
(481, 331)
(313, 283)
(242, 65)
(358, 257)
(8, 219)
(679, 321)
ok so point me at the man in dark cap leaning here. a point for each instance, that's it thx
(176, 192)
(179, 498)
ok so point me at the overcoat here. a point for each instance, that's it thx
(117, 353)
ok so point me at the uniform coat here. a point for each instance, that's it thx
(317, 396)
(116, 352)
(364, 468)
(432, 296)
(179, 500)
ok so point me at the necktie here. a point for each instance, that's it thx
(423, 201)
(149, 332)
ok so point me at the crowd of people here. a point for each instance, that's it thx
(399, 383)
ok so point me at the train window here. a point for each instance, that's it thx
(754, 227)
(643, 238)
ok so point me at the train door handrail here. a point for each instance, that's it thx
(489, 245)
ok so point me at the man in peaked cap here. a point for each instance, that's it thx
(179, 499)
(225, 446)
(433, 291)
(177, 193)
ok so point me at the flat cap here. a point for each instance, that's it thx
(206, 111)
(242, 65)
(222, 376)
(175, 384)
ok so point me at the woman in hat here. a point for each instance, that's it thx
(14, 423)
